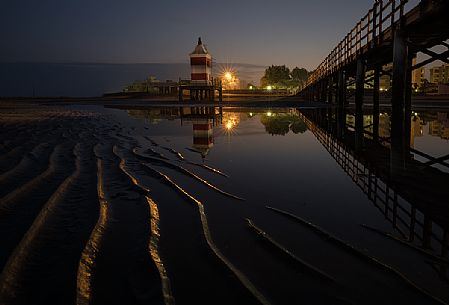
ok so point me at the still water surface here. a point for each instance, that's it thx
(295, 161)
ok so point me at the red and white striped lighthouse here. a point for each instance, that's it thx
(201, 65)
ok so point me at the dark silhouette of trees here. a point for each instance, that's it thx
(299, 74)
(282, 77)
(281, 124)
(298, 126)
(276, 76)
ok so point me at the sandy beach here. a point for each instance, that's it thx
(73, 215)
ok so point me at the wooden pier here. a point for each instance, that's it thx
(385, 35)
(392, 32)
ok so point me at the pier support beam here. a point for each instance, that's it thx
(376, 108)
(359, 92)
(180, 94)
(341, 121)
(341, 101)
(324, 90)
(319, 91)
(408, 105)
(330, 83)
(341, 88)
(399, 87)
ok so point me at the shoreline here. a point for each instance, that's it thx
(262, 102)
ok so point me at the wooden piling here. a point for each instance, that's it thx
(376, 110)
(400, 60)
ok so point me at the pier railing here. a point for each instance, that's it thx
(367, 34)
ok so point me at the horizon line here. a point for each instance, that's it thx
(122, 63)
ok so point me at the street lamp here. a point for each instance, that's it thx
(228, 76)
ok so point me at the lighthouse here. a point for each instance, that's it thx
(201, 65)
(201, 86)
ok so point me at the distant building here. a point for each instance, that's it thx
(147, 85)
(152, 86)
(418, 77)
(439, 75)
(435, 75)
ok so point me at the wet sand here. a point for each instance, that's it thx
(78, 227)
(90, 215)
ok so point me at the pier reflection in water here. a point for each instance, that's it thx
(412, 190)
(274, 157)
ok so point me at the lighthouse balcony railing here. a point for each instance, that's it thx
(216, 83)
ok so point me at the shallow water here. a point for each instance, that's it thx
(274, 158)
(210, 170)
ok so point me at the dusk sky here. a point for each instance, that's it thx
(291, 32)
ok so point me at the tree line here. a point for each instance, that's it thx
(280, 77)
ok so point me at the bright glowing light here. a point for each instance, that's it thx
(250, 114)
(230, 122)
(229, 78)
(250, 87)
(269, 113)
(269, 88)
(416, 113)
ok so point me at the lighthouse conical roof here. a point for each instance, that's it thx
(200, 48)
